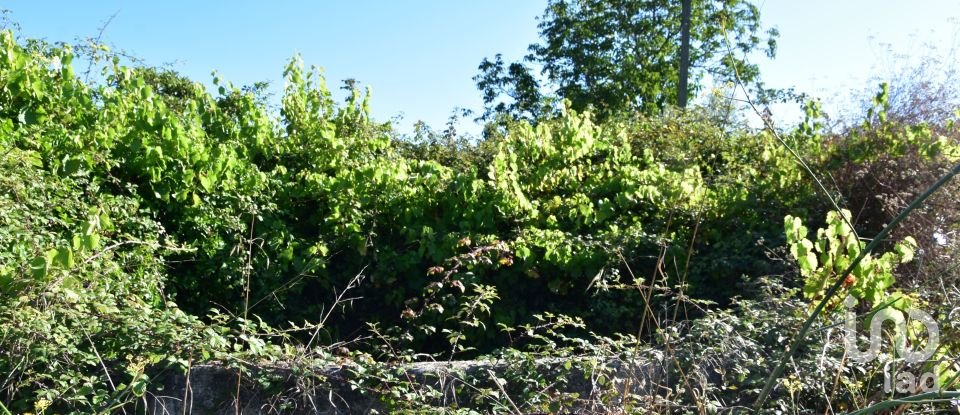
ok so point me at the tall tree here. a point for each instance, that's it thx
(616, 55)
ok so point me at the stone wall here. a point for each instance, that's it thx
(348, 389)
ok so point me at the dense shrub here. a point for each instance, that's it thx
(134, 204)
(280, 211)
(881, 165)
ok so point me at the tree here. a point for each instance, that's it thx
(517, 82)
(616, 55)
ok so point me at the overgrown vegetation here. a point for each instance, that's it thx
(148, 225)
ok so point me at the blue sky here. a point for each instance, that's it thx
(420, 56)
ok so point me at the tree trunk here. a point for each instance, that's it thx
(684, 53)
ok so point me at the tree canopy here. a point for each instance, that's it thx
(616, 55)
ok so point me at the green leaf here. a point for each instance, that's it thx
(91, 242)
(39, 267)
(205, 181)
(64, 258)
(906, 249)
(522, 252)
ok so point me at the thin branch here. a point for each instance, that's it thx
(103, 28)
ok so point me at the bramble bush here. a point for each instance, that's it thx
(306, 199)
(136, 202)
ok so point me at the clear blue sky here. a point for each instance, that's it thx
(419, 56)
(832, 48)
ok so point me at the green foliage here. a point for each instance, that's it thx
(878, 166)
(87, 316)
(624, 55)
(81, 291)
(274, 213)
(823, 261)
(134, 204)
(459, 152)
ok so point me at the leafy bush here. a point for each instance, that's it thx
(134, 204)
(275, 212)
(881, 165)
